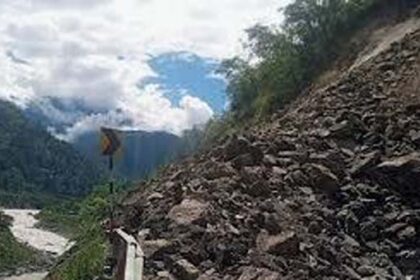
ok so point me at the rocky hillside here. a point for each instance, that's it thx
(327, 190)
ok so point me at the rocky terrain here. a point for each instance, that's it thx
(329, 189)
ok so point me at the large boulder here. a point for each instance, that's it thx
(187, 212)
(282, 244)
(401, 173)
(185, 270)
(322, 178)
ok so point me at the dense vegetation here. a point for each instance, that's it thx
(13, 255)
(34, 166)
(283, 60)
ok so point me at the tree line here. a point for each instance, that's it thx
(283, 60)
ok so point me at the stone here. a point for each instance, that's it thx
(155, 196)
(283, 244)
(258, 189)
(395, 228)
(415, 137)
(407, 234)
(365, 271)
(236, 146)
(185, 270)
(401, 173)
(278, 171)
(272, 223)
(321, 178)
(298, 177)
(187, 212)
(253, 273)
(270, 160)
(294, 155)
(150, 247)
(243, 160)
(364, 163)
(369, 230)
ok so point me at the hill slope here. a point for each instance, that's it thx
(35, 164)
(328, 190)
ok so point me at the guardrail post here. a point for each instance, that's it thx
(130, 256)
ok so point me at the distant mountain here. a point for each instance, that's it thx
(34, 165)
(142, 153)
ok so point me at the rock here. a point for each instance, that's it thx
(402, 173)
(407, 234)
(284, 145)
(321, 178)
(272, 223)
(351, 245)
(283, 244)
(279, 172)
(258, 189)
(294, 155)
(150, 247)
(164, 275)
(185, 270)
(314, 227)
(364, 163)
(243, 160)
(253, 273)
(386, 66)
(155, 196)
(236, 146)
(342, 130)
(365, 271)
(369, 230)
(188, 211)
(297, 177)
(415, 137)
(351, 274)
(408, 260)
(270, 160)
(395, 228)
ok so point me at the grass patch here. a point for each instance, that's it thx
(86, 259)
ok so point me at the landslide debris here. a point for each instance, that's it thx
(330, 190)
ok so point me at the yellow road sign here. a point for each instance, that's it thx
(110, 141)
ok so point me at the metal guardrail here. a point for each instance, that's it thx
(130, 257)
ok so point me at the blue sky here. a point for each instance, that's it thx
(181, 73)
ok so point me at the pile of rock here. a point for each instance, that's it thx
(329, 191)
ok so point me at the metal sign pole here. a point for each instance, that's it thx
(111, 191)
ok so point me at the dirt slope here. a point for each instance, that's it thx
(329, 191)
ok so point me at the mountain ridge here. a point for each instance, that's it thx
(35, 165)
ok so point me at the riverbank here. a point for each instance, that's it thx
(48, 244)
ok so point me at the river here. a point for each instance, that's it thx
(23, 228)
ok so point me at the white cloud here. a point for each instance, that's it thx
(72, 48)
(150, 111)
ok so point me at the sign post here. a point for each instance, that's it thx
(110, 144)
